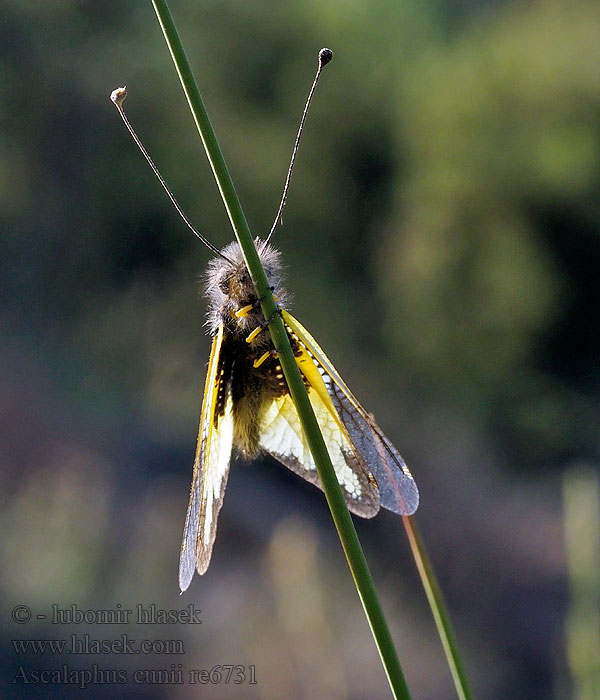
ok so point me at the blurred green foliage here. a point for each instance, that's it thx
(581, 494)
(496, 235)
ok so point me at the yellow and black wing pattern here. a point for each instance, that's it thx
(211, 467)
(282, 437)
(378, 475)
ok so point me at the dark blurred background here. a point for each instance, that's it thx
(442, 244)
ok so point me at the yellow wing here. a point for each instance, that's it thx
(397, 488)
(211, 468)
(282, 436)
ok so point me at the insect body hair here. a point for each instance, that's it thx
(229, 288)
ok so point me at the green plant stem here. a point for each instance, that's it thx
(438, 608)
(343, 521)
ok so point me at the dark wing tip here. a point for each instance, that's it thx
(403, 498)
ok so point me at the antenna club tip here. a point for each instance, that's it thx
(119, 95)
(325, 55)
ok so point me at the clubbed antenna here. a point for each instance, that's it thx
(325, 55)
(118, 97)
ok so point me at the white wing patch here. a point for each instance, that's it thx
(216, 469)
(211, 468)
(282, 437)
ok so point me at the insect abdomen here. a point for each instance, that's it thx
(252, 391)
